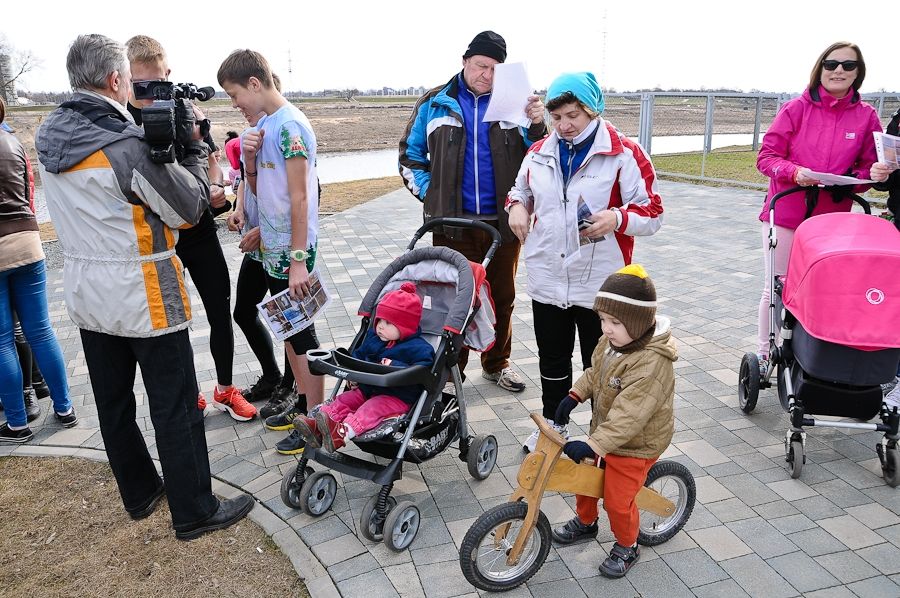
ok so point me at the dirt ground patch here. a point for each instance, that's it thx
(336, 197)
(65, 533)
(339, 126)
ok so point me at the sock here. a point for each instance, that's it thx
(70, 410)
(17, 428)
(222, 389)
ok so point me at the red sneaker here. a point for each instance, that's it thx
(201, 402)
(308, 430)
(332, 439)
(232, 401)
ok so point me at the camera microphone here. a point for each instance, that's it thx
(205, 93)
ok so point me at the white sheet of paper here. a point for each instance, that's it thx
(510, 94)
(837, 179)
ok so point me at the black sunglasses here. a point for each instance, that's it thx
(847, 65)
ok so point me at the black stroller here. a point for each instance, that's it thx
(457, 311)
(838, 319)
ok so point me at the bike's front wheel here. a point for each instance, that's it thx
(486, 546)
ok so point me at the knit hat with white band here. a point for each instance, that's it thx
(629, 296)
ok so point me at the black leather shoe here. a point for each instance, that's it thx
(620, 560)
(150, 506)
(574, 531)
(230, 511)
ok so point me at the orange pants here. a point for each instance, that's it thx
(623, 479)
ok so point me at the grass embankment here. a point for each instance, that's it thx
(734, 164)
(731, 164)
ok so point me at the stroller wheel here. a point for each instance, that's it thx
(485, 547)
(318, 493)
(673, 481)
(796, 458)
(891, 467)
(291, 484)
(368, 527)
(482, 456)
(748, 382)
(401, 526)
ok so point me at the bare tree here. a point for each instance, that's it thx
(349, 93)
(20, 63)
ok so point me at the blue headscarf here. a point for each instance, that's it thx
(583, 86)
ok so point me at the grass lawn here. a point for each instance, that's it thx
(731, 164)
(735, 164)
(66, 534)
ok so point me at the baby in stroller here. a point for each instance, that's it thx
(395, 340)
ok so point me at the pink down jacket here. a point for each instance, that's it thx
(823, 134)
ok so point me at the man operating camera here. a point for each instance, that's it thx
(198, 247)
(117, 213)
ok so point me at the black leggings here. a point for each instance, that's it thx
(26, 361)
(554, 330)
(251, 289)
(204, 259)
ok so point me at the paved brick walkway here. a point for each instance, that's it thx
(754, 531)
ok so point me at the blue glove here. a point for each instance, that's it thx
(561, 418)
(576, 450)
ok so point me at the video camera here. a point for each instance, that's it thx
(169, 121)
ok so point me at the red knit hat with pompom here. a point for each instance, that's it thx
(402, 308)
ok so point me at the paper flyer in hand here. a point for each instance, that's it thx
(829, 179)
(285, 316)
(509, 95)
(888, 148)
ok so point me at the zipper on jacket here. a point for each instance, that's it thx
(451, 136)
(568, 180)
(475, 160)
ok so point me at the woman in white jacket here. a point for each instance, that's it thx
(581, 196)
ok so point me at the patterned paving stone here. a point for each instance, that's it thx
(757, 578)
(694, 567)
(846, 566)
(754, 531)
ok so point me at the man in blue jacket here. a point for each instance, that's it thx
(459, 166)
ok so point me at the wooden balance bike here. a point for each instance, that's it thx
(509, 543)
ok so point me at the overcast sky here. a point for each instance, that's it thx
(763, 44)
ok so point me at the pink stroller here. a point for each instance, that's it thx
(838, 311)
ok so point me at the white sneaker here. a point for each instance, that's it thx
(531, 442)
(507, 378)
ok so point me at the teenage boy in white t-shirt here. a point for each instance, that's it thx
(280, 169)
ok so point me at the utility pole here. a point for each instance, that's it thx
(290, 86)
(603, 48)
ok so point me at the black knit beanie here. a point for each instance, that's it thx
(629, 296)
(487, 43)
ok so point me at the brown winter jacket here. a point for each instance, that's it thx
(16, 187)
(634, 395)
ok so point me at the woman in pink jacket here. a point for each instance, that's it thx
(827, 129)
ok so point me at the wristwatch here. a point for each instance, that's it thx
(299, 255)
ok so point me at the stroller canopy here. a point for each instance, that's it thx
(843, 280)
(455, 295)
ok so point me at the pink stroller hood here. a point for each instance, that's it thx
(843, 280)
